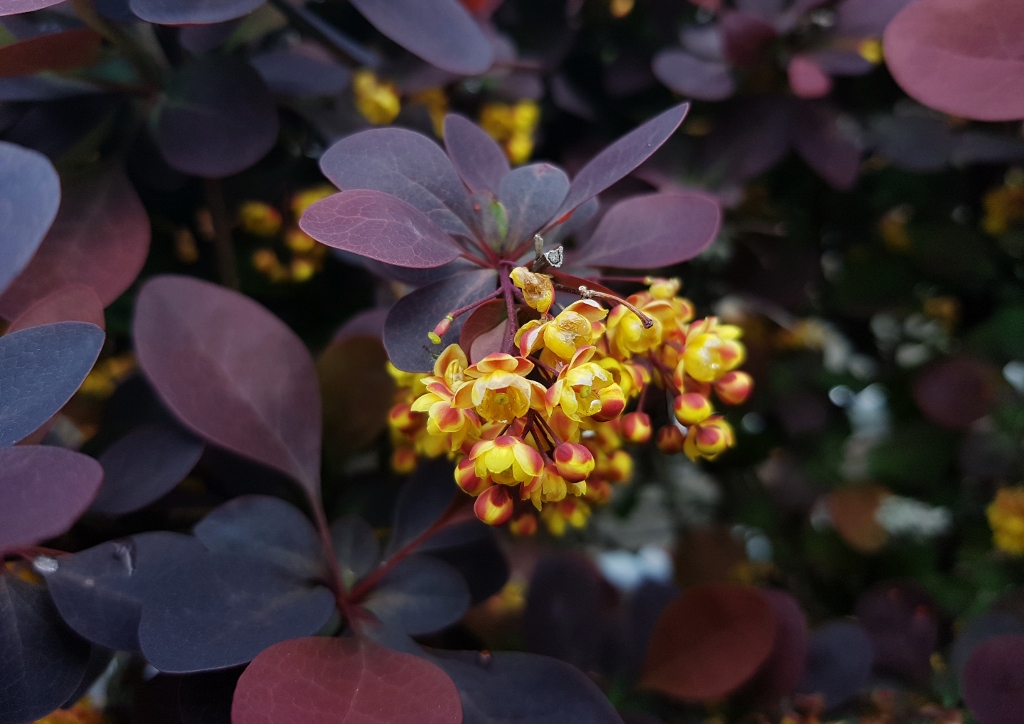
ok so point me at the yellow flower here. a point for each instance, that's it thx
(1004, 206)
(538, 289)
(496, 387)
(578, 325)
(709, 439)
(1006, 518)
(711, 350)
(378, 102)
(259, 218)
(506, 460)
(586, 389)
(307, 197)
(437, 107)
(512, 126)
(571, 512)
(81, 713)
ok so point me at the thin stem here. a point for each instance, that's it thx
(143, 62)
(587, 293)
(473, 305)
(512, 324)
(335, 582)
(227, 266)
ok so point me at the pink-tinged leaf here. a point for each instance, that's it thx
(51, 52)
(621, 158)
(476, 156)
(839, 662)
(43, 491)
(404, 164)
(653, 230)
(688, 75)
(379, 226)
(482, 325)
(343, 681)
(531, 195)
(29, 199)
(957, 392)
(439, 31)
(746, 37)
(807, 79)
(16, 7)
(192, 12)
(820, 141)
(709, 642)
(993, 683)
(73, 303)
(782, 672)
(962, 57)
(217, 118)
(232, 373)
(100, 239)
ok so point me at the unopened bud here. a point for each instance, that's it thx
(468, 480)
(734, 387)
(573, 461)
(441, 329)
(402, 418)
(523, 524)
(636, 427)
(403, 460)
(691, 407)
(494, 505)
(670, 439)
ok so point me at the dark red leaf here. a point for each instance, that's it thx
(348, 681)
(653, 230)
(439, 31)
(73, 303)
(381, 227)
(709, 642)
(531, 195)
(956, 392)
(66, 50)
(957, 56)
(688, 75)
(100, 238)
(746, 37)
(420, 595)
(43, 491)
(16, 7)
(192, 12)
(29, 199)
(217, 118)
(782, 672)
(621, 158)
(476, 156)
(993, 683)
(404, 164)
(232, 373)
(839, 662)
(819, 139)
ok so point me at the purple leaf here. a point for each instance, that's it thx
(218, 118)
(782, 672)
(145, 465)
(904, 629)
(866, 18)
(766, 9)
(100, 238)
(439, 31)
(420, 595)
(43, 490)
(192, 12)
(746, 37)
(40, 369)
(688, 75)
(73, 303)
(99, 591)
(976, 632)
(199, 39)
(531, 195)
(16, 7)
(476, 156)
(842, 62)
(959, 57)
(29, 198)
(621, 158)
(301, 71)
(379, 226)
(221, 610)
(819, 140)
(417, 313)
(653, 230)
(839, 662)
(356, 548)
(43, 661)
(232, 373)
(266, 529)
(421, 501)
(493, 688)
(404, 164)
(471, 549)
(993, 683)
(914, 142)
(754, 136)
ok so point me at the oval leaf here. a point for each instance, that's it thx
(818, 139)
(688, 75)
(40, 369)
(16, 7)
(993, 681)
(356, 548)
(839, 662)
(904, 629)
(73, 303)
(420, 595)
(29, 198)
(531, 195)
(782, 672)
(192, 12)
(348, 681)
(976, 632)
(477, 157)
(232, 373)
(301, 70)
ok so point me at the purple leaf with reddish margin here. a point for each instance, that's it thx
(531, 195)
(493, 689)
(265, 529)
(73, 303)
(688, 75)
(29, 199)
(960, 56)
(346, 681)
(216, 611)
(100, 238)
(99, 591)
(40, 369)
(43, 660)
(818, 140)
(420, 595)
(653, 230)
(232, 373)
(145, 465)
(404, 164)
(839, 662)
(16, 7)
(417, 313)
(192, 12)
(782, 672)
(993, 682)
(478, 159)
(379, 226)
(43, 491)
(217, 118)
(621, 158)
(439, 31)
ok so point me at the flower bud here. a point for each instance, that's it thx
(636, 427)
(494, 505)
(468, 480)
(441, 329)
(670, 439)
(523, 524)
(402, 418)
(598, 491)
(403, 460)
(619, 467)
(259, 219)
(709, 439)
(734, 388)
(663, 288)
(573, 461)
(690, 408)
(613, 402)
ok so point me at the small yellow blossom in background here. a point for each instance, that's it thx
(307, 197)
(945, 310)
(302, 257)
(621, 8)
(107, 375)
(870, 49)
(185, 247)
(259, 218)
(437, 107)
(377, 101)
(513, 127)
(1006, 518)
(893, 228)
(81, 713)
(1004, 206)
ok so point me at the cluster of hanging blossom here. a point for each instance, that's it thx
(293, 255)
(539, 433)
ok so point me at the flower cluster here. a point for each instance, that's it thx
(303, 256)
(541, 428)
